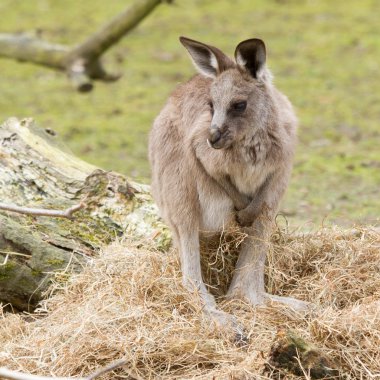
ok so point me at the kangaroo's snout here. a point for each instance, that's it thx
(217, 137)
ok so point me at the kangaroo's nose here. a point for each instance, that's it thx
(215, 135)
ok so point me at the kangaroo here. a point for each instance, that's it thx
(222, 149)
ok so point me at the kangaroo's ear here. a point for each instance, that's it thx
(251, 54)
(208, 60)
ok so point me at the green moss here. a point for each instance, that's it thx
(6, 271)
(93, 232)
(164, 240)
(324, 56)
(24, 282)
(55, 262)
(36, 272)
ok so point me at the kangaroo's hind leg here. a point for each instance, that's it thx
(189, 250)
(248, 279)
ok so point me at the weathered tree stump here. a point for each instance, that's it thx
(37, 170)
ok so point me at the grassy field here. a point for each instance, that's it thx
(324, 54)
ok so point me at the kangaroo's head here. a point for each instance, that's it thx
(239, 92)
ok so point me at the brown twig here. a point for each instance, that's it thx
(9, 253)
(15, 375)
(68, 213)
(106, 369)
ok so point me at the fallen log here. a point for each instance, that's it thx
(37, 171)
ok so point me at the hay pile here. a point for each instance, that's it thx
(130, 304)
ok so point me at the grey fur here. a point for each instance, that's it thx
(203, 178)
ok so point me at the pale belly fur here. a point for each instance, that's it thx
(217, 211)
(249, 178)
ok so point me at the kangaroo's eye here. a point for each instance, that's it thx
(239, 106)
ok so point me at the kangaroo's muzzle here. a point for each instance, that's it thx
(215, 138)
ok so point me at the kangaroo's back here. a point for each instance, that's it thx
(186, 107)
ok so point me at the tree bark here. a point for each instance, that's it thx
(30, 49)
(82, 62)
(38, 171)
(111, 33)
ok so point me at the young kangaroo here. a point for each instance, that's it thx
(222, 149)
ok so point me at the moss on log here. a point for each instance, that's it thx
(37, 170)
(293, 353)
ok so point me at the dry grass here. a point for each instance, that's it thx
(130, 304)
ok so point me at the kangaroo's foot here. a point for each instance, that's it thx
(218, 319)
(223, 320)
(262, 298)
(294, 303)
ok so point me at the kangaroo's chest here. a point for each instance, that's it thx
(247, 166)
(248, 178)
(216, 207)
(247, 169)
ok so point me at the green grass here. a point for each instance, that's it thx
(324, 54)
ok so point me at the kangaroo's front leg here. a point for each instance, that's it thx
(239, 200)
(257, 206)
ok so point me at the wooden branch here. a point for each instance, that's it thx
(77, 73)
(29, 49)
(15, 375)
(112, 32)
(8, 253)
(68, 213)
(82, 62)
(106, 369)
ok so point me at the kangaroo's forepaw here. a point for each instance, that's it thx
(245, 217)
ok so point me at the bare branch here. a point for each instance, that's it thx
(78, 75)
(112, 32)
(9, 253)
(106, 369)
(15, 375)
(24, 47)
(68, 213)
(82, 62)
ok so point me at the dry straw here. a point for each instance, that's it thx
(130, 304)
